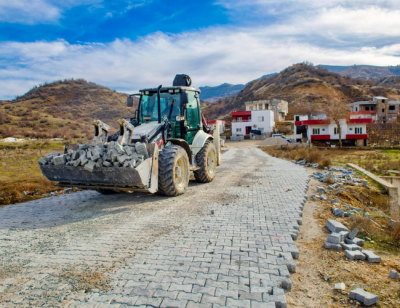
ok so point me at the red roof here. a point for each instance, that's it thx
(360, 121)
(215, 121)
(241, 113)
(312, 122)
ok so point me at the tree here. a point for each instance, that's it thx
(336, 109)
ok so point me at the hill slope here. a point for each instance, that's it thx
(301, 85)
(62, 109)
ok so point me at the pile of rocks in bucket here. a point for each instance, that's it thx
(342, 239)
(100, 155)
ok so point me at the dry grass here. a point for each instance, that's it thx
(376, 161)
(312, 155)
(20, 171)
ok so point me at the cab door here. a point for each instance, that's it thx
(193, 116)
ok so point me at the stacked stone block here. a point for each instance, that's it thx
(99, 155)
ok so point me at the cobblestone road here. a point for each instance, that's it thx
(226, 243)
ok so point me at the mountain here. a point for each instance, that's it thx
(302, 85)
(364, 71)
(62, 109)
(213, 94)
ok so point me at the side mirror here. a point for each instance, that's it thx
(129, 101)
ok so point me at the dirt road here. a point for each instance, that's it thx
(226, 243)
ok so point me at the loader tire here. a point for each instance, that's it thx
(206, 159)
(173, 171)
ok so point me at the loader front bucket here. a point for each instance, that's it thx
(142, 178)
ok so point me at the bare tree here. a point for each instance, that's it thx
(336, 109)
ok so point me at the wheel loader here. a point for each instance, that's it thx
(154, 151)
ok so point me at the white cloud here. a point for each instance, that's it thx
(210, 57)
(28, 12)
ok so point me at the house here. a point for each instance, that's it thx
(245, 121)
(380, 109)
(278, 106)
(353, 130)
(221, 125)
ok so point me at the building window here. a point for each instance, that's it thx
(260, 119)
(392, 107)
(261, 129)
(315, 131)
(335, 131)
(383, 110)
(323, 129)
(239, 119)
(358, 130)
(372, 108)
(356, 109)
(351, 128)
(367, 108)
(238, 130)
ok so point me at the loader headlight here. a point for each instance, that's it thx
(171, 91)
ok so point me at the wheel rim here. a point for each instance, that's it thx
(181, 170)
(211, 162)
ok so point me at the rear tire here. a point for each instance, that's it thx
(173, 171)
(206, 159)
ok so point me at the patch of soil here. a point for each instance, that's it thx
(318, 269)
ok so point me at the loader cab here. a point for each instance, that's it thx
(179, 105)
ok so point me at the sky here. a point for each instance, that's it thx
(132, 44)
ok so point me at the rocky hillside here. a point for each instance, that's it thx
(62, 109)
(389, 82)
(302, 85)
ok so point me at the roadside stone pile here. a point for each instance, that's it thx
(99, 155)
(337, 180)
(342, 239)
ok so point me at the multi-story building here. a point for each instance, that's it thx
(278, 106)
(353, 131)
(380, 109)
(245, 121)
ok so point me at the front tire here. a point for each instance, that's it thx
(173, 171)
(207, 161)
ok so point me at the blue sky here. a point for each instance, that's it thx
(127, 45)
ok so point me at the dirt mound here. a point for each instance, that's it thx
(272, 141)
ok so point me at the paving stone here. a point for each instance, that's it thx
(354, 255)
(335, 226)
(368, 299)
(351, 247)
(356, 241)
(333, 246)
(371, 256)
(335, 238)
(393, 274)
(353, 234)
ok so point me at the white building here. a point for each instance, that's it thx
(353, 131)
(245, 121)
(278, 106)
